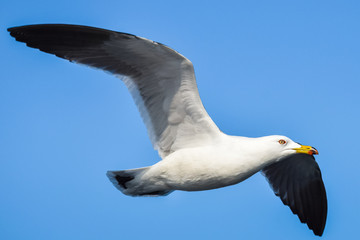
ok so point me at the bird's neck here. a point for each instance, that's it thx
(252, 151)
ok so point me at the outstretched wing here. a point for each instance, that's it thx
(161, 81)
(297, 181)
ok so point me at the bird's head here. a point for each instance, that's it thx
(283, 146)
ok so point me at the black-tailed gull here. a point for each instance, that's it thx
(196, 155)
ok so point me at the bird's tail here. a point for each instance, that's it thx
(130, 182)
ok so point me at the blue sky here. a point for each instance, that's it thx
(263, 67)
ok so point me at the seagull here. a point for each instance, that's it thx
(195, 154)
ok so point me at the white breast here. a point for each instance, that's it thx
(219, 164)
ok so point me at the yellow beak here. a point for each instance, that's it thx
(306, 149)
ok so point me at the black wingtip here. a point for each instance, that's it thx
(80, 44)
(59, 39)
(12, 30)
(59, 30)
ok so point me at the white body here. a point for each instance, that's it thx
(225, 161)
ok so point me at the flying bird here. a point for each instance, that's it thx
(195, 154)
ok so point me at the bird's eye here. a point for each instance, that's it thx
(282, 141)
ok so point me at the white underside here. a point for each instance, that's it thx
(225, 161)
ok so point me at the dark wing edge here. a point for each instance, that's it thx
(297, 181)
(81, 44)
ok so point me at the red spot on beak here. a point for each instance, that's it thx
(313, 151)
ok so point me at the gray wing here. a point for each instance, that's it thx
(297, 181)
(161, 81)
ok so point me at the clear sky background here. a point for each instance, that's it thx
(263, 68)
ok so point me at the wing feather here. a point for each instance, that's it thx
(161, 81)
(297, 181)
